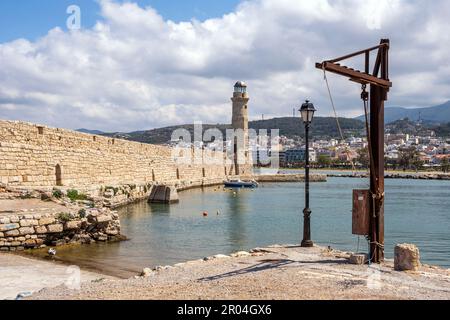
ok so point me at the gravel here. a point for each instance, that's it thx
(278, 272)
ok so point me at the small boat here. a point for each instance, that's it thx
(240, 184)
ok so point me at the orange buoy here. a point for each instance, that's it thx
(205, 214)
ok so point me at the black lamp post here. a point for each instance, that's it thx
(307, 112)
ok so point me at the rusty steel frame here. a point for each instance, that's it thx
(379, 87)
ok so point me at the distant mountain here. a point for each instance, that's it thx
(406, 126)
(437, 114)
(288, 126)
(90, 131)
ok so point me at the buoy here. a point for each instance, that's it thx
(205, 214)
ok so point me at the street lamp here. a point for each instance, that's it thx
(307, 112)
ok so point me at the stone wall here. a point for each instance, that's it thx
(38, 156)
(33, 230)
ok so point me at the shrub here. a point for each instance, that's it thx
(74, 195)
(64, 217)
(57, 193)
(82, 213)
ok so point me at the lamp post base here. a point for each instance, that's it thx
(307, 244)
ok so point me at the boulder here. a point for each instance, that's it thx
(406, 257)
(146, 272)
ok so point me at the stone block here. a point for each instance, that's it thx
(40, 229)
(358, 259)
(406, 257)
(26, 230)
(25, 223)
(12, 233)
(30, 243)
(5, 220)
(72, 225)
(9, 226)
(14, 219)
(55, 228)
(46, 221)
(103, 218)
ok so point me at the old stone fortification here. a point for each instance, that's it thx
(41, 157)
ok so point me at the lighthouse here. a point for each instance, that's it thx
(242, 158)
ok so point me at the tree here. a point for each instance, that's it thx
(445, 165)
(363, 157)
(406, 156)
(323, 161)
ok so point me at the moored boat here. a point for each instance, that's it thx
(237, 183)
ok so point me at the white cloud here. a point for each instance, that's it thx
(134, 70)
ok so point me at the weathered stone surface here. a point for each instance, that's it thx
(358, 259)
(30, 243)
(28, 222)
(72, 225)
(9, 226)
(240, 254)
(103, 218)
(5, 221)
(26, 230)
(406, 257)
(147, 272)
(46, 221)
(12, 233)
(40, 229)
(14, 219)
(55, 228)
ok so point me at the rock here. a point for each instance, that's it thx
(146, 272)
(240, 254)
(28, 223)
(55, 228)
(45, 221)
(22, 295)
(103, 218)
(406, 257)
(5, 221)
(14, 219)
(9, 226)
(12, 233)
(72, 225)
(2, 234)
(30, 243)
(40, 229)
(26, 230)
(358, 259)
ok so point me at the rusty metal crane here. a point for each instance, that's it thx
(379, 83)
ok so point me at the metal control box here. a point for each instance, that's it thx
(361, 212)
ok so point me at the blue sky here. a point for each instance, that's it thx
(137, 71)
(32, 19)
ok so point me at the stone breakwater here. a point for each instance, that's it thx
(410, 176)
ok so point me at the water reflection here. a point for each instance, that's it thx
(237, 201)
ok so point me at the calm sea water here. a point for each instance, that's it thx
(416, 212)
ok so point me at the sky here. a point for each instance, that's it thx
(143, 64)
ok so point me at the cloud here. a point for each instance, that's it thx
(135, 70)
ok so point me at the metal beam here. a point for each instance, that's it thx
(354, 75)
